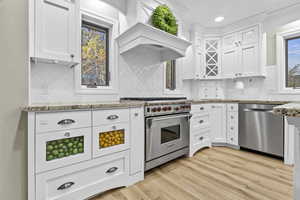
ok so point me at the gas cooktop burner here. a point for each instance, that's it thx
(153, 98)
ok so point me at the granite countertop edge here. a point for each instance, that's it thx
(81, 106)
(291, 111)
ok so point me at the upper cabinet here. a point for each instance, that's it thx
(232, 55)
(240, 55)
(56, 31)
(212, 57)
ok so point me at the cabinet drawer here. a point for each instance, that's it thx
(196, 108)
(233, 107)
(57, 121)
(110, 138)
(58, 149)
(101, 117)
(200, 121)
(200, 136)
(80, 181)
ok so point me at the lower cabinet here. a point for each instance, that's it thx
(218, 123)
(213, 124)
(77, 163)
(80, 181)
(200, 128)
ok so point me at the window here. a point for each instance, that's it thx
(171, 75)
(292, 62)
(94, 55)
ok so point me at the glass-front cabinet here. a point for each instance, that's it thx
(110, 138)
(58, 149)
(212, 60)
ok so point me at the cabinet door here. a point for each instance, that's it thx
(249, 61)
(218, 123)
(230, 61)
(230, 42)
(137, 146)
(248, 36)
(56, 31)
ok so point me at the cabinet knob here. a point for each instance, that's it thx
(72, 55)
(201, 138)
(202, 108)
(201, 121)
(136, 114)
(114, 127)
(232, 117)
(231, 128)
(67, 134)
(231, 139)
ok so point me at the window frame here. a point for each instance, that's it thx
(281, 43)
(113, 57)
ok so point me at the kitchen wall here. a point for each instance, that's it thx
(138, 76)
(257, 88)
(13, 85)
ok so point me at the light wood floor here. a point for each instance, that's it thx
(218, 173)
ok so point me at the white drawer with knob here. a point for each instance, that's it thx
(233, 107)
(57, 121)
(200, 121)
(111, 138)
(63, 148)
(199, 140)
(84, 180)
(101, 117)
(200, 108)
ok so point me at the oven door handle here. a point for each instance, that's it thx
(170, 117)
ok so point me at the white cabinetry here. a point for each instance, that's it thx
(200, 128)
(232, 124)
(218, 123)
(240, 55)
(82, 153)
(212, 57)
(56, 31)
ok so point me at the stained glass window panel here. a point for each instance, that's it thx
(94, 55)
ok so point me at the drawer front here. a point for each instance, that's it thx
(233, 107)
(200, 136)
(110, 138)
(101, 117)
(47, 122)
(196, 108)
(200, 121)
(58, 149)
(81, 181)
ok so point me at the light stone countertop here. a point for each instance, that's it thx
(250, 101)
(289, 110)
(82, 106)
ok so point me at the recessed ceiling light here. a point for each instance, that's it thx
(219, 19)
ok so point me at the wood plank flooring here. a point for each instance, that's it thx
(218, 173)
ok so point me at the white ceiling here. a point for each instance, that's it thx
(203, 12)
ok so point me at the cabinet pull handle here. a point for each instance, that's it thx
(112, 117)
(111, 170)
(66, 122)
(65, 186)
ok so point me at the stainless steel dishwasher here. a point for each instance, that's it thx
(260, 129)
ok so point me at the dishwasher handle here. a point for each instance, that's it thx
(258, 110)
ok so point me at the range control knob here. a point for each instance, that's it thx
(159, 109)
(153, 109)
(177, 108)
(169, 108)
(165, 108)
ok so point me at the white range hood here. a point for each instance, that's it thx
(141, 36)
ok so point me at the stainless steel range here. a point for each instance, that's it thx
(166, 129)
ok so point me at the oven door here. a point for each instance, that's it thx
(166, 134)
